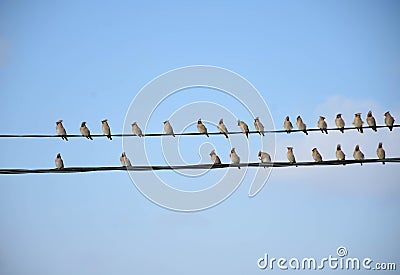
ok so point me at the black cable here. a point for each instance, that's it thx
(186, 134)
(195, 166)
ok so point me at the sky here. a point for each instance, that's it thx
(87, 60)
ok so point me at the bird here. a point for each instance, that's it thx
(106, 128)
(136, 129)
(202, 128)
(168, 128)
(264, 157)
(222, 128)
(124, 160)
(322, 124)
(339, 153)
(235, 159)
(358, 122)
(287, 125)
(389, 121)
(61, 130)
(290, 155)
(371, 121)
(316, 155)
(215, 158)
(85, 131)
(340, 122)
(258, 125)
(59, 162)
(300, 124)
(357, 154)
(244, 128)
(380, 152)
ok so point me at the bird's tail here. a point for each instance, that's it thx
(361, 130)
(342, 130)
(390, 128)
(226, 135)
(109, 137)
(305, 132)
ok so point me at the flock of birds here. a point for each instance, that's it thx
(263, 156)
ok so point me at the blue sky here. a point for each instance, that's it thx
(86, 60)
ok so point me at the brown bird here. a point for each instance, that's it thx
(59, 162)
(371, 121)
(235, 159)
(287, 125)
(340, 122)
(357, 154)
(124, 160)
(300, 125)
(106, 129)
(201, 127)
(322, 124)
(258, 125)
(214, 157)
(389, 121)
(380, 152)
(339, 153)
(222, 128)
(290, 155)
(85, 131)
(358, 122)
(316, 155)
(244, 128)
(61, 130)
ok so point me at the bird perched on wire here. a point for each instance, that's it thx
(287, 125)
(243, 126)
(168, 128)
(235, 159)
(339, 122)
(358, 122)
(222, 128)
(264, 157)
(290, 155)
(339, 153)
(124, 160)
(322, 124)
(106, 129)
(389, 121)
(61, 130)
(371, 121)
(301, 125)
(202, 128)
(258, 125)
(59, 162)
(136, 129)
(85, 131)
(316, 155)
(214, 157)
(380, 152)
(357, 154)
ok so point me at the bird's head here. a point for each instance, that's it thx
(290, 148)
(58, 155)
(199, 121)
(212, 152)
(83, 124)
(380, 145)
(387, 114)
(338, 147)
(338, 115)
(259, 153)
(233, 150)
(104, 121)
(357, 148)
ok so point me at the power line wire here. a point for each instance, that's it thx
(195, 166)
(185, 134)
